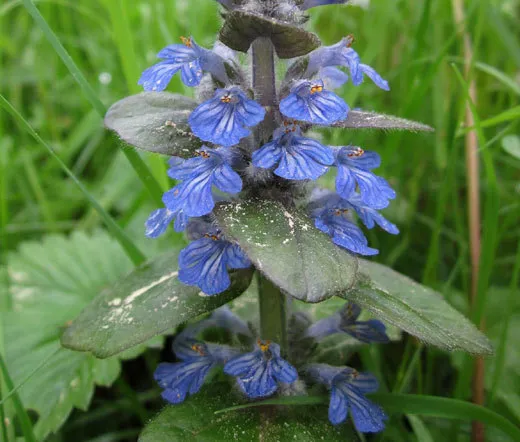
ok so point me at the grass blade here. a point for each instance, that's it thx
(25, 422)
(136, 161)
(130, 248)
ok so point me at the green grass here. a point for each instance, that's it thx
(55, 77)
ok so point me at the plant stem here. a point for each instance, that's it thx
(264, 84)
(273, 303)
(273, 313)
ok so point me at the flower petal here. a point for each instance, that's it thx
(227, 180)
(367, 416)
(338, 407)
(158, 222)
(157, 77)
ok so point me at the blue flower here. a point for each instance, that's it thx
(259, 372)
(308, 4)
(333, 78)
(212, 167)
(224, 119)
(223, 317)
(345, 321)
(189, 58)
(309, 101)
(331, 216)
(348, 388)
(342, 54)
(159, 220)
(297, 157)
(197, 360)
(369, 216)
(354, 165)
(205, 262)
(344, 233)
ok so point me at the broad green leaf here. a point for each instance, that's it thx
(52, 282)
(511, 144)
(146, 303)
(412, 404)
(242, 28)
(155, 122)
(416, 309)
(286, 247)
(370, 120)
(195, 421)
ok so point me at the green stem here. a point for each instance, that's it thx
(273, 313)
(273, 303)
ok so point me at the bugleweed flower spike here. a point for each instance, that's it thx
(246, 164)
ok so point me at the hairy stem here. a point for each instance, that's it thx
(264, 85)
(273, 313)
(273, 303)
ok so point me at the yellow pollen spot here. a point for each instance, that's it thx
(203, 154)
(186, 41)
(176, 192)
(350, 40)
(355, 374)
(264, 345)
(339, 212)
(357, 153)
(198, 348)
(226, 99)
(213, 237)
(316, 88)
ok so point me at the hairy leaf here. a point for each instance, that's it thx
(286, 247)
(370, 120)
(416, 309)
(242, 28)
(155, 122)
(195, 421)
(146, 303)
(51, 282)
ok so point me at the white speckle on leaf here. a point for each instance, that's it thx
(143, 290)
(115, 302)
(290, 220)
(203, 295)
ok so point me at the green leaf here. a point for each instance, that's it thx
(286, 247)
(51, 282)
(370, 120)
(242, 28)
(511, 144)
(412, 404)
(195, 421)
(416, 309)
(155, 122)
(148, 302)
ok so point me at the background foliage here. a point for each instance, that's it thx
(56, 255)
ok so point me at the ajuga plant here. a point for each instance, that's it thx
(246, 167)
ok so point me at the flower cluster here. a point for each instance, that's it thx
(259, 373)
(225, 122)
(255, 139)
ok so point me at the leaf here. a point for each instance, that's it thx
(51, 282)
(511, 144)
(286, 247)
(195, 420)
(242, 28)
(370, 120)
(146, 303)
(413, 404)
(416, 309)
(155, 122)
